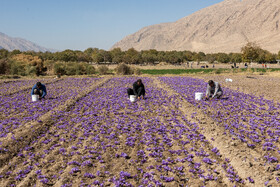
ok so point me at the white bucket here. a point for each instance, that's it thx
(35, 97)
(132, 98)
(228, 80)
(198, 96)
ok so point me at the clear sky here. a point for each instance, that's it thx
(80, 24)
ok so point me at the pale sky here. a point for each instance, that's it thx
(80, 24)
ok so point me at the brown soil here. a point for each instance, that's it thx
(267, 85)
(243, 160)
(38, 127)
(247, 162)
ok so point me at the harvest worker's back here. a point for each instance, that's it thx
(138, 89)
(39, 89)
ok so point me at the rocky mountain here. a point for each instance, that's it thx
(11, 43)
(223, 27)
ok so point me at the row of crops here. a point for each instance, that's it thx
(104, 139)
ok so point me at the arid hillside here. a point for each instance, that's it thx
(224, 27)
(11, 43)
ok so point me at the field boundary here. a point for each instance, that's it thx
(24, 135)
(241, 157)
(205, 71)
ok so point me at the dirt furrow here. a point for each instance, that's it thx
(247, 162)
(24, 135)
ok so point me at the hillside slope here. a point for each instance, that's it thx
(11, 43)
(223, 27)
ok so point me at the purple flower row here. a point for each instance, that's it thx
(106, 139)
(17, 109)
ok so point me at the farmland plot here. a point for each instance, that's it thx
(249, 121)
(104, 139)
(17, 109)
(12, 87)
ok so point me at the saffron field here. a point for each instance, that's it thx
(86, 132)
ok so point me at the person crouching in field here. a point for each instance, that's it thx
(138, 89)
(39, 89)
(213, 90)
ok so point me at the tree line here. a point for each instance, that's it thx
(37, 62)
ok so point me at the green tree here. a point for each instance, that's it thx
(106, 56)
(89, 51)
(278, 57)
(199, 56)
(66, 56)
(173, 57)
(15, 52)
(131, 56)
(236, 57)
(149, 56)
(101, 56)
(4, 53)
(117, 55)
(4, 66)
(98, 57)
(17, 68)
(188, 56)
(83, 57)
(250, 52)
(223, 58)
(59, 68)
(46, 55)
(269, 57)
(210, 58)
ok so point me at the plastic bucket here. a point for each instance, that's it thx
(35, 97)
(132, 98)
(198, 96)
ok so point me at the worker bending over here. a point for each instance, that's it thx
(138, 89)
(213, 90)
(39, 89)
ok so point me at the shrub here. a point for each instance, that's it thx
(59, 68)
(17, 68)
(71, 68)
(103, 70)
(90, 69)
(49, 64)
(123, 69)
(137, 71)
(4, 66)
(31, 70)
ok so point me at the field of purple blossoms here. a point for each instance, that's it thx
(102, 139)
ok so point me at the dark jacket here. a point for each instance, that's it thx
(138, 89)
(43, 88)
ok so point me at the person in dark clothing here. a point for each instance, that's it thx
(138, 89)
(39, 89)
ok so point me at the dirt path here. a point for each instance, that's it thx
(247, 162)
(24, 135)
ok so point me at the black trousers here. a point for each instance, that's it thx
(38, 92)
(140, 92)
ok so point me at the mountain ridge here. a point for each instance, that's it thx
(223, 27)
(13, 43)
